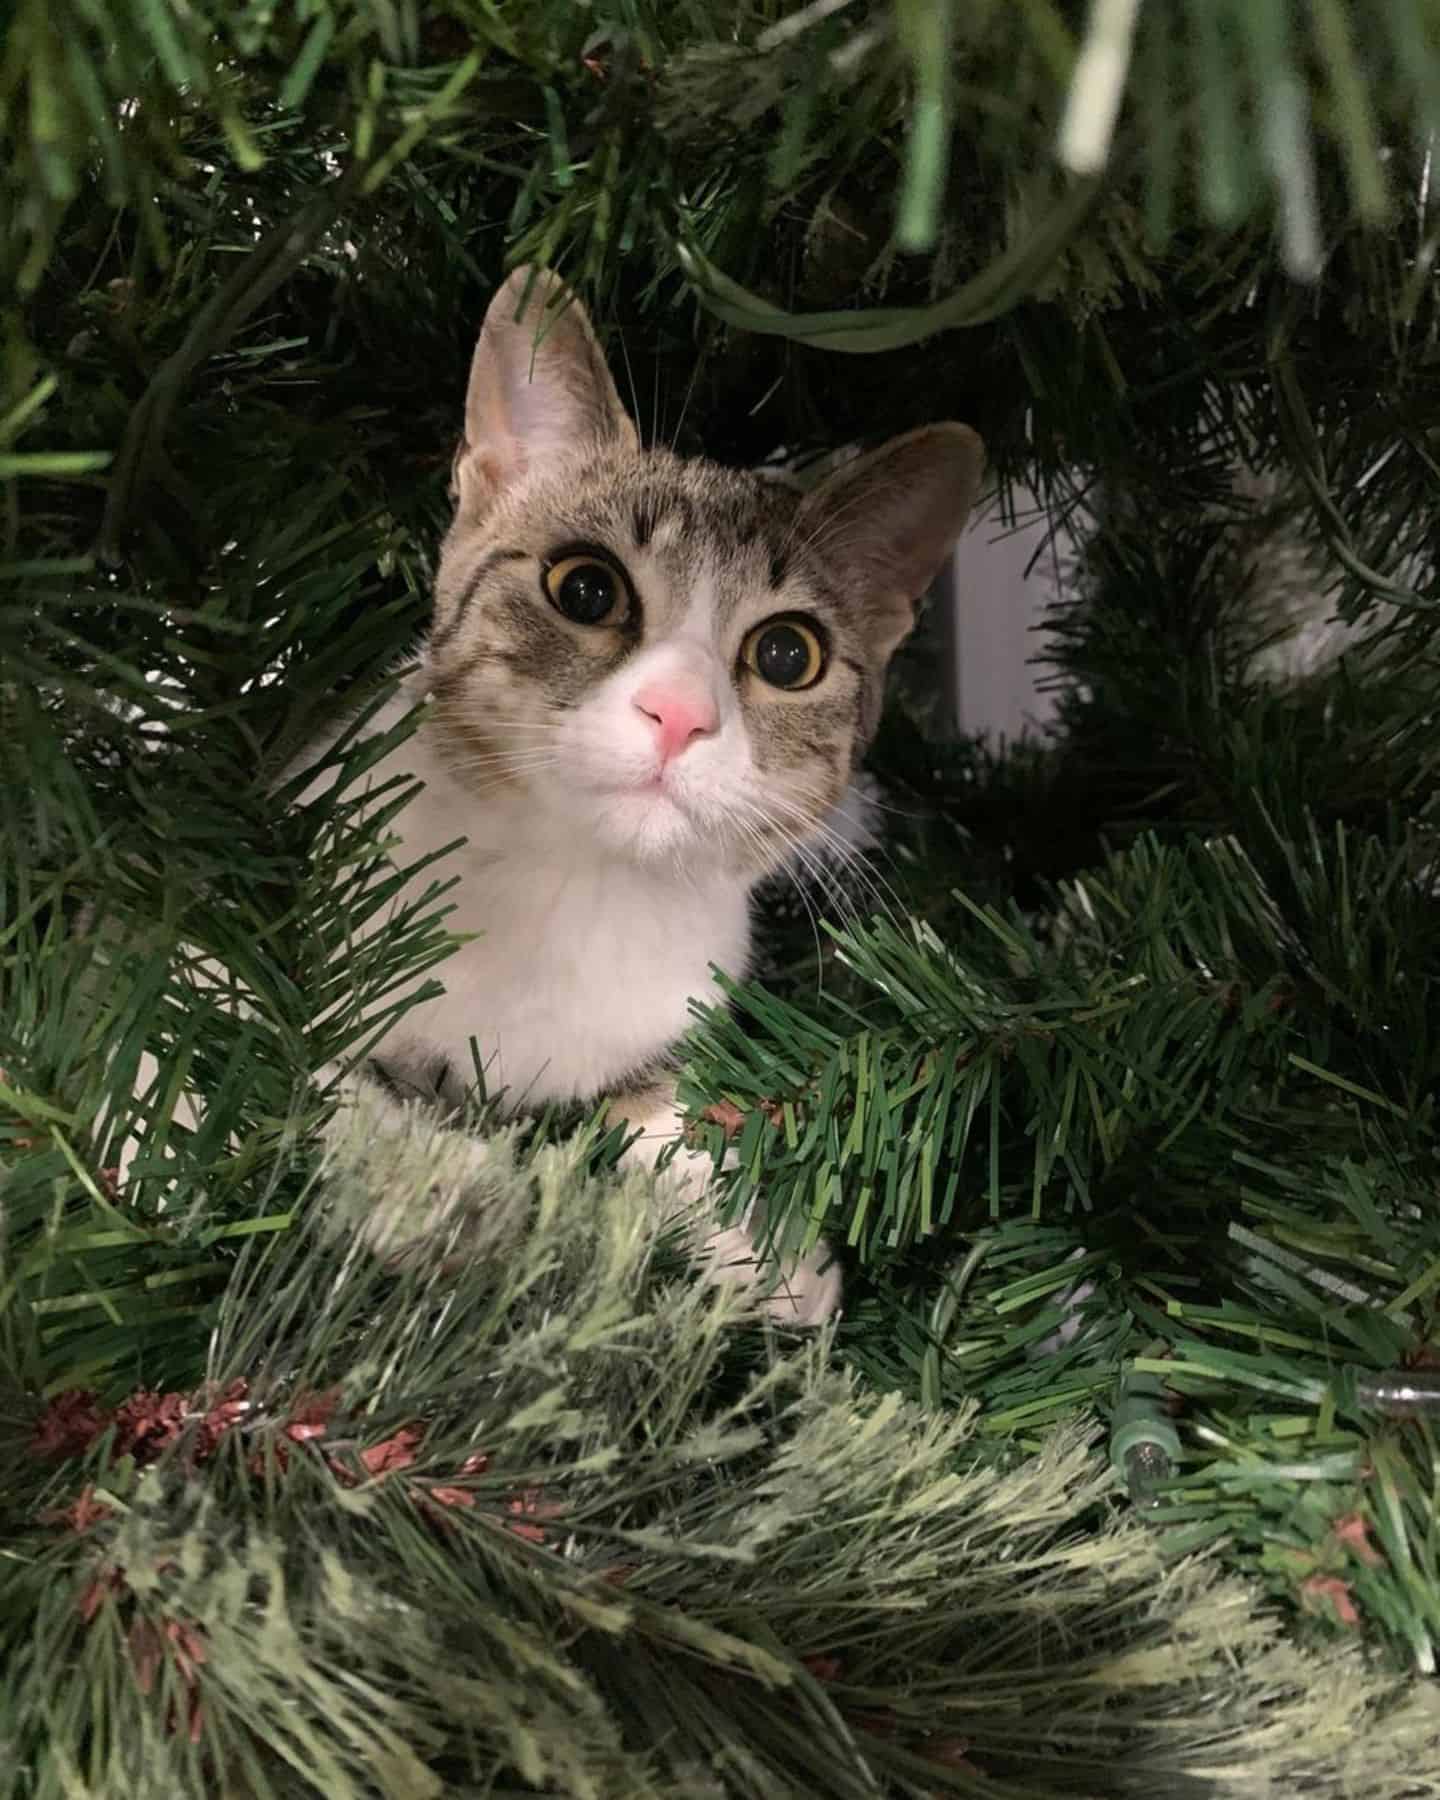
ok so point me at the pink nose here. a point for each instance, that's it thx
(679, 715)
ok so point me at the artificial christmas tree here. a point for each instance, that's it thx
(1112, 1067)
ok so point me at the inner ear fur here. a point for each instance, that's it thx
(539, 394)
(890, 518)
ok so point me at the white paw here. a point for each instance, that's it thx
(804, 1292)
(809, 1290)
(412, 1182)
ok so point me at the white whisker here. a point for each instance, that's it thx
(825, 842)
(804, 852)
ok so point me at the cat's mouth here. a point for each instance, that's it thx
(657, 786)
(662, 783)
(665, 816)
(653, 816)
(659, 793)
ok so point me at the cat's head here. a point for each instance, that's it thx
(676, 662)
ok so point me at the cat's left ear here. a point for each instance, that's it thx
(539, 391)
(887, 521)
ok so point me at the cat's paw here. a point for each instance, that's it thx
(408, 1184)
(435, 1225)
(806, 1291)
(809, 1290)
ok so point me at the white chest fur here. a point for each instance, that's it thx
(583, 965)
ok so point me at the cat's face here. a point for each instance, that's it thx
(674, 662)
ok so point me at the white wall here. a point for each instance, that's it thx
(995, 608)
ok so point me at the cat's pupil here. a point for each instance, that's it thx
(782, 656)
(587, 593)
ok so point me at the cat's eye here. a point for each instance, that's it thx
(787, 653)
(586, 589)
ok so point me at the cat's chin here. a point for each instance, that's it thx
(652, 827)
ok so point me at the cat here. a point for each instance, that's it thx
(649, 679)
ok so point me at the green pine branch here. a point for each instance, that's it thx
(534, 1523)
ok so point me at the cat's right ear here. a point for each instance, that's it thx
(539, 391)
